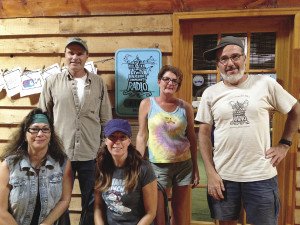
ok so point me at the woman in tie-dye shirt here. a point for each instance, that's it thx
(166, 127)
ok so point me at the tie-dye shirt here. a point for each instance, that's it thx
(167, 142)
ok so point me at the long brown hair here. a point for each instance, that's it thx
(105, 167)
(18, 145)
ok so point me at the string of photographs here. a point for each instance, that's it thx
(29, 82)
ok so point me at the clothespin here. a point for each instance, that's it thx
(4, 71)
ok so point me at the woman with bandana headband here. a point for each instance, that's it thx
(35, 174)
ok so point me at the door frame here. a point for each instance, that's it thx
(182, 58)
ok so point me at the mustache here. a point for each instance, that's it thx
(231, 68)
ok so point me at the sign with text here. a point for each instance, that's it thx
(136, 78)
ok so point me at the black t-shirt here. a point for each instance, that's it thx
(37, 211)
(127, 208)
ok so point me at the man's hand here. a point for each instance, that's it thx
(215, 186)
(277, 153)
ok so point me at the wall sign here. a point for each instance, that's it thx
(136, 78)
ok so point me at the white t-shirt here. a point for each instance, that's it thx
(80, 83)
(240, 116)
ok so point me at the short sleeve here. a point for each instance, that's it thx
(282, 100)
(204, 113)
(147, 174)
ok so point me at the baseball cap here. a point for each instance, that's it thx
(228, 40)
(117, 125)
(79, 41)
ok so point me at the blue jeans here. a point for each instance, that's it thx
(86, 177)
(259, 198)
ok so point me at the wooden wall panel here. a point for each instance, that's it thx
(75, 204)
(96, 44)
(2, 146)
(126, 24)
(76, 188)
(288, 3)
(75, 218)
(298, 179)
(29, 62)
(46, 8)
(12, 116)
(7, 132)
(86, 25)
(103, 63)
(296, 92)
(297, 216)
(28, 8)
(16, 101)
(298, 199)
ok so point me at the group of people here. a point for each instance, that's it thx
(72, 133)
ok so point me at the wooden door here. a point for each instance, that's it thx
(184, 32)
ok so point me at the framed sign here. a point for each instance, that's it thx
(136, 78)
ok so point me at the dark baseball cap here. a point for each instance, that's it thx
(228, 40)
(79, 41)
(115, 125)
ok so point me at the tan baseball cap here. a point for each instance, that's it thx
(79, 41)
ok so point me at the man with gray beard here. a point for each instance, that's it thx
(241, 163)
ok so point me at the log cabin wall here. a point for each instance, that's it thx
(33, 35)
(296, 88)
(35, 43)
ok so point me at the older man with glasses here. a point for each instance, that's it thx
(241, 163)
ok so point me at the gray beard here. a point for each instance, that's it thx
(234, 78)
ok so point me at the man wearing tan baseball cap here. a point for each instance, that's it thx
(78, 101)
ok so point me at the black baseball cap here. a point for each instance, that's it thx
(228, 40)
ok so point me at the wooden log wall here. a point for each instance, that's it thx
(45, 8)
(296, 89)
(34, 43)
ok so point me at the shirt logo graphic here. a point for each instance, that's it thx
(239, 112)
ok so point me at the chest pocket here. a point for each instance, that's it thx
(94, 102)
(55, 178)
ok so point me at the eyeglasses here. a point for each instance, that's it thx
(114, 138)
(36, 130)
(234, 58)
(168, 80)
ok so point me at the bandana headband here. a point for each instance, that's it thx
(40, 118)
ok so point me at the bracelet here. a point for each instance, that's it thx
(285, 142)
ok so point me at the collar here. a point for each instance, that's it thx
(25, 163)
(70, 77)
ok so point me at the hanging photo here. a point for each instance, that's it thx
(31, 82)
(12, 81)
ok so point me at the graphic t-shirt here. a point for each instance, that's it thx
(241, 117)
(124, 208)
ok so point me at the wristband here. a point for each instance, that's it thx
(285, 142)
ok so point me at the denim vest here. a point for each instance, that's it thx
(25, 183)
